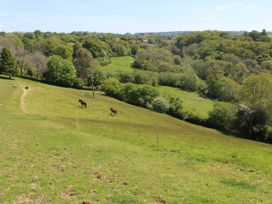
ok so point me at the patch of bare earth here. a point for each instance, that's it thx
(70, 192)
(24, 198)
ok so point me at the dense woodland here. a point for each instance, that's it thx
(231, 67)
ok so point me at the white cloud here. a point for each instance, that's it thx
(235, 6)
(220, 8)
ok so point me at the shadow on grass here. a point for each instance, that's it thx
(5, 77)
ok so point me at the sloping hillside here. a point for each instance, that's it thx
(119, 64)
(52, 151)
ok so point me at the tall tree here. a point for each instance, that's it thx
(40, 62)
(82, 60)
(256, 89)
(60, 71)
(7, 63)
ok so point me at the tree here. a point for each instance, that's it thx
(83, 61)
(40, 62)
(64, 51)
(96, 77)
(119, 49)
(222, 88)
(22, 59)
(251, 121)
(98, 49)
(151, 57)
(7, 63)
(60, 71)
(256, 89)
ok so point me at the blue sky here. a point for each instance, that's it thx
(121, 16)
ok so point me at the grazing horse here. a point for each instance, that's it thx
(113, 111)
(83, 103)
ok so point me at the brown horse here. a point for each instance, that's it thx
(113, 111)
(83, 103)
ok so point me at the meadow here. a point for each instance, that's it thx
(53, 151)
(119, 64)
(192, 102)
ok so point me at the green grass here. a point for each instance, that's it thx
(45, 158)
(119, 64)
(192, 102)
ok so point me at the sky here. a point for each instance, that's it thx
(128, 16)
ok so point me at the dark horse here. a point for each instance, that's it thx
(113, 111)
(83, 103)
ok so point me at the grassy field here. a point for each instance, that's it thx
(119, 64)
(47, 158)
(192, 102)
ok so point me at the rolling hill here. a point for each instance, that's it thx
(52, 151)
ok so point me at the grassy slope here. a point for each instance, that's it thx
(119, 64)
(45, 158)
(192, 102)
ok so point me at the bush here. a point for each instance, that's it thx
(175, 107)
(111, 87)
(177, 60)
(129, 92)
(268, 137)
(219, 117)
(169, 79)
(222, 88)
(195, 119)
(189, 81)
(138, 95)
(160, 105)
(127, 77)
(150, 78)
(146, 95)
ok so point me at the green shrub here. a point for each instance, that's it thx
(127, 77)
(170, 79)
(160, 105)
(138, 95)
(176, 107)
(222, 88)
(150, 78)
(219, 117)
(111, 87)
(145, 96)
